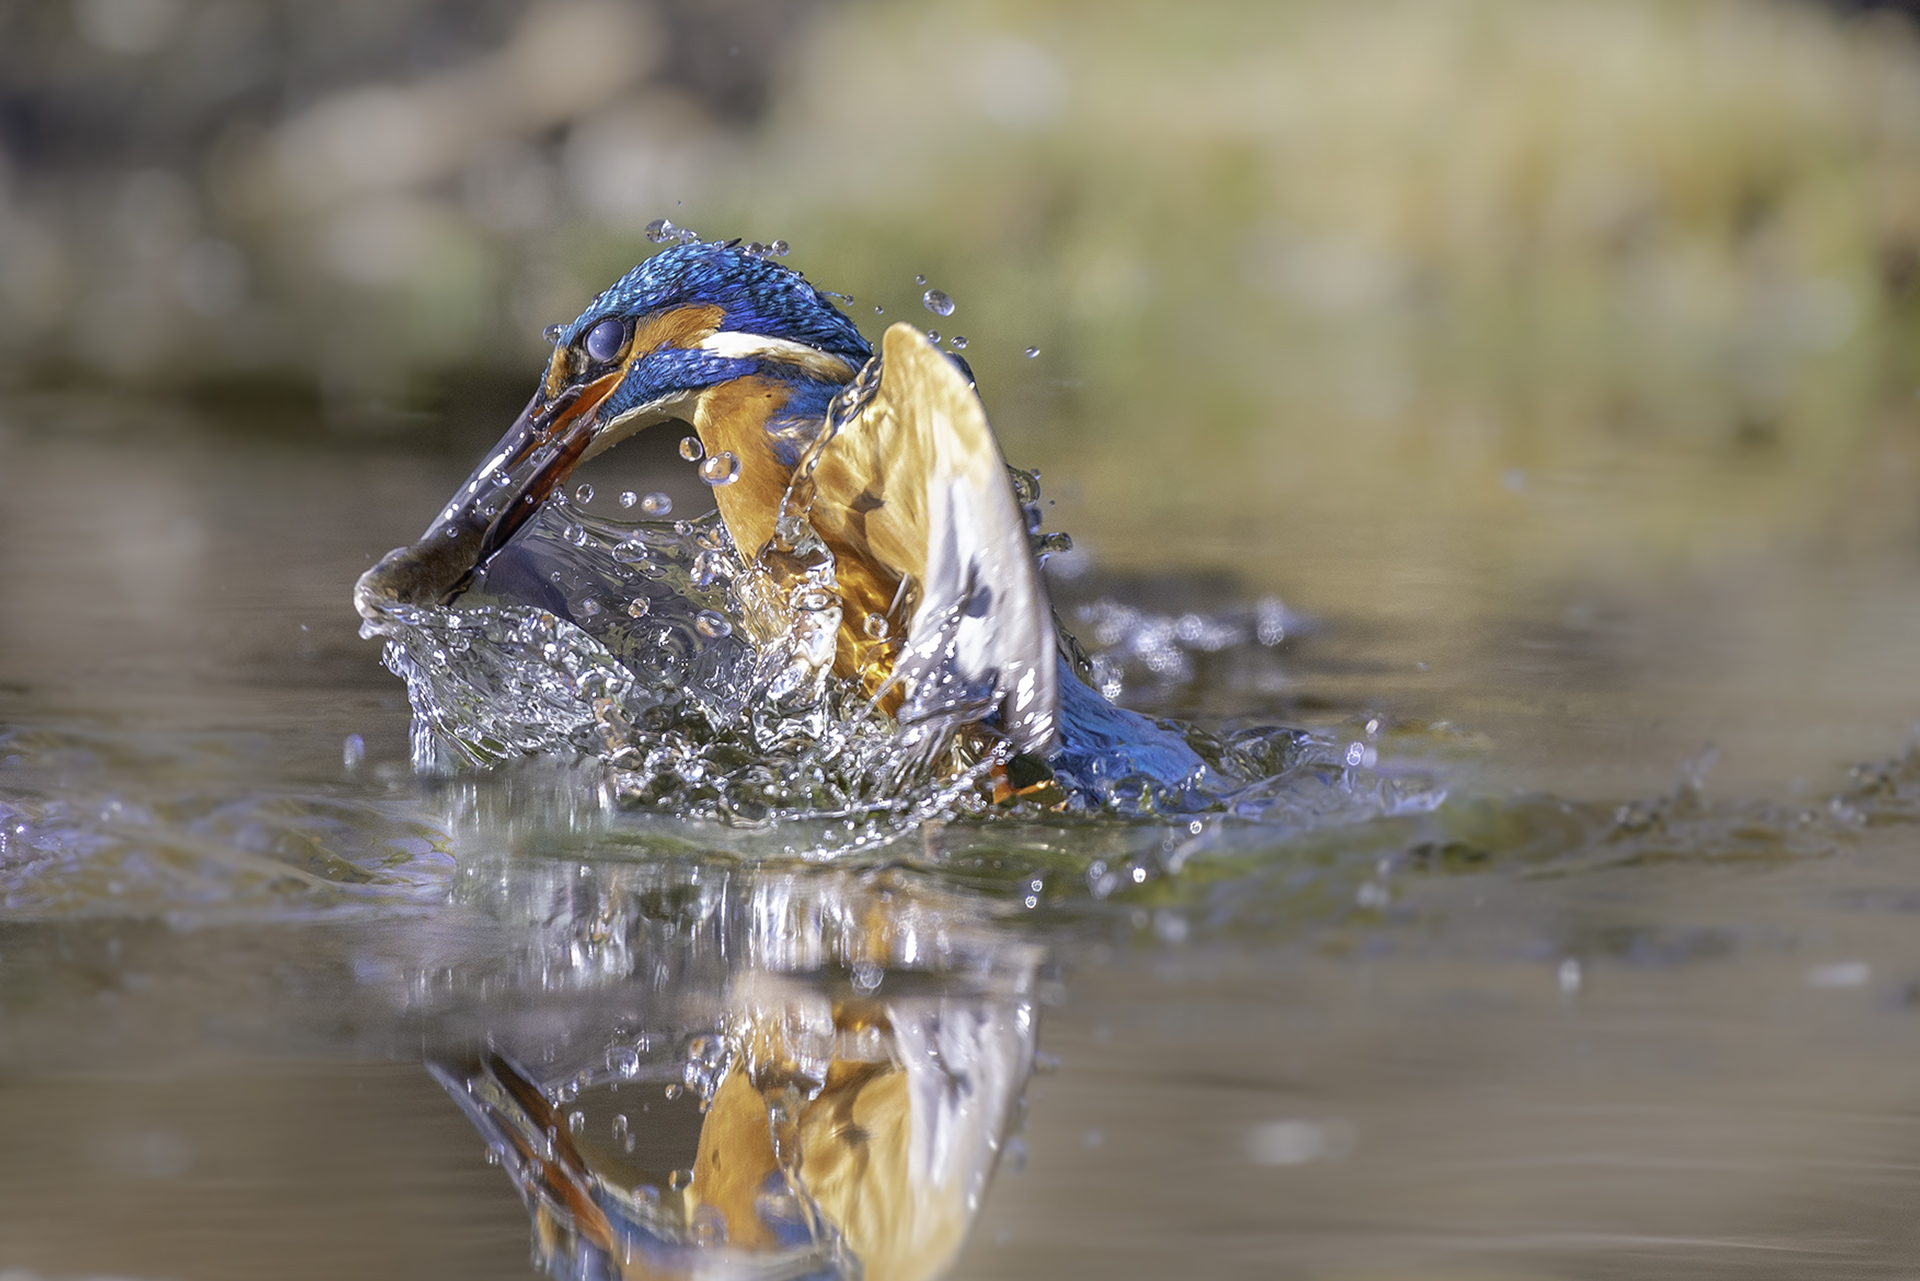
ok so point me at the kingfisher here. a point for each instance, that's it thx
(880, 466)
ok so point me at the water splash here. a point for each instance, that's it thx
(661, 231)
(1131, 646)
(703, 681)
(671, 687)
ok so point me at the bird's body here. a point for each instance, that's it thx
(870, 486)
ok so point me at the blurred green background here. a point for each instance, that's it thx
(366, 201)
(1223, 207)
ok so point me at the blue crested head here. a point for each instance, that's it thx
(754, 295)
(694, 321)
(742, 348)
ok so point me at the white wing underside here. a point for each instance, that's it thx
(943, 515)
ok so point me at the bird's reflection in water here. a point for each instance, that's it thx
(707, 1068)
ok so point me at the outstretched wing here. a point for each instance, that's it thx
(914, 484)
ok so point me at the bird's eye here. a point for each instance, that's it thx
(605, 339)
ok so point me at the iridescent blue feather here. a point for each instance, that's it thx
(756, 295)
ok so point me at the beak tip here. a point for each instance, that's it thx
(425, 573)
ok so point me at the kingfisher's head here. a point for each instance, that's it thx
(686, 324)
(683, 322)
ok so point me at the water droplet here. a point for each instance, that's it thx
(721, 469)
(673, 1091)
(779, 249)
(709, 1226)
(578, 536)
(713, 626)
(878, 310)
(919, 280)
(631, 552)
(639, 607)
(960, 341)
(657, 504)
(1032, 352)
(628, 498)
(353, 751)
(875, 626)
(1569, 976)
(679, 1179)
(583, 495)
(587, 608)
(709, 566)
(576, 1122)
(755, 249)
(933, 335)
(552, 332)
(659, 231)
(691, 449)
(938, 303)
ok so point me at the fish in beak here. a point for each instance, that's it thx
(555, 432)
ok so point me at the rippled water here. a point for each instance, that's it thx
(1617, 1006)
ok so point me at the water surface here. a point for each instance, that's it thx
(1620, 1007)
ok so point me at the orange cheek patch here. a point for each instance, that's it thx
(680, 327)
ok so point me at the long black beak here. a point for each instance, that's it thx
(535, 457)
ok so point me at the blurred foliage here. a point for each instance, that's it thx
(1408, 244)
(1467, 235)
(354, 191)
